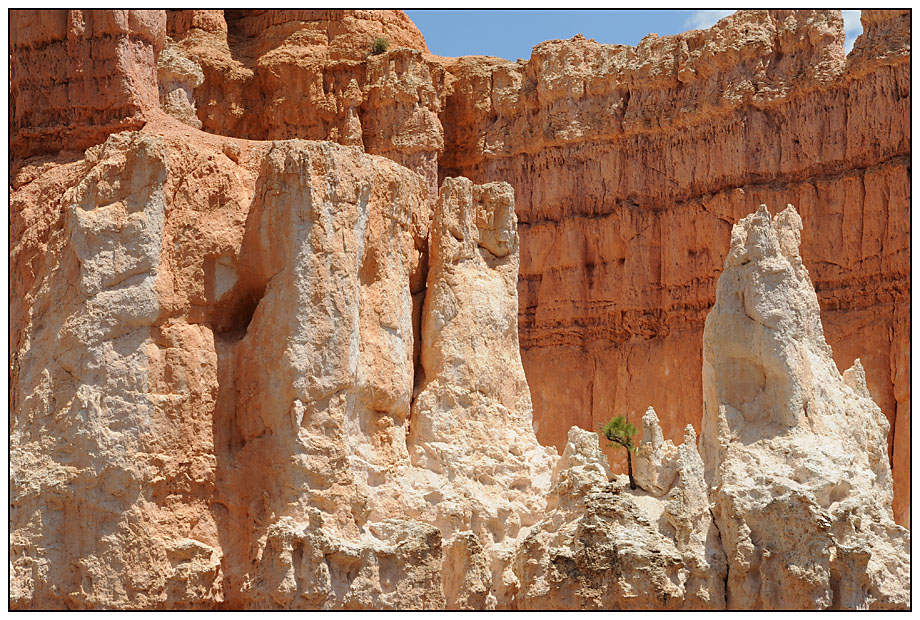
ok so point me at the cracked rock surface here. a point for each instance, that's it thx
(271, 310)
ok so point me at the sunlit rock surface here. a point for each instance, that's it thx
(795, 452)
(253, 371)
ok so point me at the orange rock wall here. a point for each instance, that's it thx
(630, 165)
(272, 75)
(76, 76)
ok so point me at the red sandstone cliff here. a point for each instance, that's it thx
(137, 266)
(630, 165)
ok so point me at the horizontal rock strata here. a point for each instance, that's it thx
(631, 163)
(77, 76)
(249, 370)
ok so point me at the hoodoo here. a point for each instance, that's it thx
(300, 324)
(795, 451)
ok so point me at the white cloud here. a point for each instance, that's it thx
(852, 27)
(706, 19)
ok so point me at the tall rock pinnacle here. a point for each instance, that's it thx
(795, 452)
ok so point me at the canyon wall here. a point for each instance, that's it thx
(250, 370)
(234, 388)
(629, 165)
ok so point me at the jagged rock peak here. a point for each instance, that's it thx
(795, 454)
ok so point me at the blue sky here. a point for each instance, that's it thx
(512, 34)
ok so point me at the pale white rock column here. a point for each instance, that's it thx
(472, 420)
(675, 474)
(478, 470)
(324, 379)
(88, 434)
(795, 453)
(656, 459)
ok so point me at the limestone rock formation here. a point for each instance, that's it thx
(485, 475)
(253, 371)
(471, 418)
(795, 452)
(310, 74)
(656, 458)
(221, 351)
(323, 376)
(631, 163)
(770, 100)
(110, 505)
(792, 118)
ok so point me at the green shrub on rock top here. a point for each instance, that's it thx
(380, 46)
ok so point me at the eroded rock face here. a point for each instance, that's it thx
(77, 76)
(473, 383)
(177, 78)
(323, 376)
(95, 431)
(225, 359)
(310, 74)
(253, 374)
(631, 163)
(311, 481)
(472, 419)
(795, 452)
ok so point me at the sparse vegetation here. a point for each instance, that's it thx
(380, 45)
(620, 433)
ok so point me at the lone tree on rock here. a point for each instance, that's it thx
(620, 433)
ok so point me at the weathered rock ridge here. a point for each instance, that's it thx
(629, 165)
(253, 370)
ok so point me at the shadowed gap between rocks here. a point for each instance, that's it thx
(230, 319)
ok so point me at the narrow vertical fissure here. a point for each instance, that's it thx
(715, 523)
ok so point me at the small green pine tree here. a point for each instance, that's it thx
(620, 433)
(380, 45)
